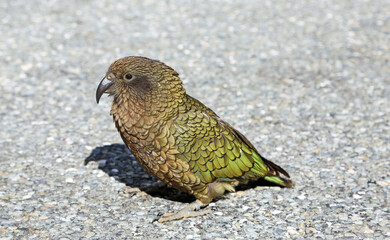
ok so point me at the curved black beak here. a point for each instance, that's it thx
(102, 88)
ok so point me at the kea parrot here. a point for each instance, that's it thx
(176, 138)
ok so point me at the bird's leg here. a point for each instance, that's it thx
(215, 189)
(191, 210)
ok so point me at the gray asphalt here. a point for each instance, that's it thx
(308, 82)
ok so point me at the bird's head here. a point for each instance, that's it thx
(141, 78)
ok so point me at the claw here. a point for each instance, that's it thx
(167, 217)
(191, 210)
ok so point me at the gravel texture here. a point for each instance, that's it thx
(308, 82)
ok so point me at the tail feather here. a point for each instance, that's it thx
(274, 172)
(271, 172)
(280, 181)
(274, 169)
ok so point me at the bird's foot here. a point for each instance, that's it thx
(155, 187)
(191, 210)
(131, 190)
(134, 192)
(167, 217)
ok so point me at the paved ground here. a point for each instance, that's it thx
(308, 83)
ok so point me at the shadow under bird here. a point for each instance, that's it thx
(178, 139)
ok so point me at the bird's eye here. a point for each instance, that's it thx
(128, 76)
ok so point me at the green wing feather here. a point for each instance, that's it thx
(215, 150)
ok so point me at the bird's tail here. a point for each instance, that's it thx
(274, 174)
(271, 172)
(265, 168)
(280, 181)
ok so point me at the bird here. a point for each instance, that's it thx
(179, 140)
